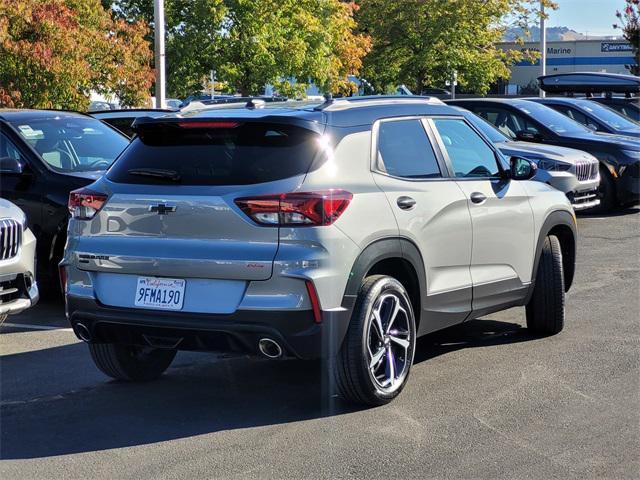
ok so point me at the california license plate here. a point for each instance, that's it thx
(161, 293)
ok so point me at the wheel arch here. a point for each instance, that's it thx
(561, 224)
(396, 257)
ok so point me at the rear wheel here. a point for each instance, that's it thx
(373, 364)
(545, 310)
(129, 362)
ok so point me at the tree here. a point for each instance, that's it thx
(53, 53)
(250, 43)
(630, 26)
(421, 42)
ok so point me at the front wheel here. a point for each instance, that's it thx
(131, 363)
(373, 364)
(545, 310)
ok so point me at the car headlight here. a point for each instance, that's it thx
(632, 153)
(550, 165)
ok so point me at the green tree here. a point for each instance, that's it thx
(421, 42)
(53, 53)
(630, 26)
(254, 42)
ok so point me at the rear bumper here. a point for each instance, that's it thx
(240, 331)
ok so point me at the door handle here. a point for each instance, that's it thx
(477, 197)
(406, 203)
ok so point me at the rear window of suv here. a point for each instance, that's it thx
(242, 154)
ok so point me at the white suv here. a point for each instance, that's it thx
(18, 288)
(342, 230)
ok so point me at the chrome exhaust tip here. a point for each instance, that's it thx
(82, 332)
(269, 348)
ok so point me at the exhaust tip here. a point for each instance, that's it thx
(82, 332)
(269, 348)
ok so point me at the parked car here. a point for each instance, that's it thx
(593, 115)
(122, 120)
(18, 286)
(627, 106)
(278, 231)
(173, 103)
(571, 171)
(46, 154)
(598, 87)
(524, 120)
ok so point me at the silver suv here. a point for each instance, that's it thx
(18, 287)
(343, 230)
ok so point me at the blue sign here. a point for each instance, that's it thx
(609, 47)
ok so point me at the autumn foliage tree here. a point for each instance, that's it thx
(250, 43)
(629, 20)
(53, 53)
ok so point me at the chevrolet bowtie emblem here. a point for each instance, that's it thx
(162, 208)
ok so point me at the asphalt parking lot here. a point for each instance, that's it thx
(485, 399)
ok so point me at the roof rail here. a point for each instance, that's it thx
(334, 104)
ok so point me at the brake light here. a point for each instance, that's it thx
(208, 124)
(85, 203)
(310, 209)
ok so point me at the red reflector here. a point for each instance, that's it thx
(297, 209)
(315, 302)
(63, 278)
(216, 124)
(85, 203)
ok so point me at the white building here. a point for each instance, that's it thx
(570, 56)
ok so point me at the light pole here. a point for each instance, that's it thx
(543, 45)
(158, 20)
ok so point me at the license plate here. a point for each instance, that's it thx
(161, 293)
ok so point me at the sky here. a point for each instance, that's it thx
(594, 17)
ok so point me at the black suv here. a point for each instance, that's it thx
(528, 121)
(44, 154)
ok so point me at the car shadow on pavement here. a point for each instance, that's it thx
(615, 213)
(54, 401)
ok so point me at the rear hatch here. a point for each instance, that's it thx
(170, 208)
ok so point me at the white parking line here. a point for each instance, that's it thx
(35, 327)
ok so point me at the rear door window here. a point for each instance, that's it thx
(238, 154)
(404, 150)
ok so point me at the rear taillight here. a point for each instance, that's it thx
(85, 203)
(296, 209)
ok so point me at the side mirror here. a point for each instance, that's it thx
(10, 166)
(521, 168)
(527, 136)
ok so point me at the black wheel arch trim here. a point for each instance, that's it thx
(568, 244)
(382, 249)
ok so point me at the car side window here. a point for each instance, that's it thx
(8, 149)
(469, 154)
(508, 122)
(404, 150)
(581, 118)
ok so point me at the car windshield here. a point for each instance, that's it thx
(609, 116)
(551, 119)
(491, 132)
(73, 144)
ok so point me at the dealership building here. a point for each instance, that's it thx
(569, 56)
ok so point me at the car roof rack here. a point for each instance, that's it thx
(334, 104)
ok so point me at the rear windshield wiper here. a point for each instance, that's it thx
(170, 175)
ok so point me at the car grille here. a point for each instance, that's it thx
(10, 238)
(586, 171)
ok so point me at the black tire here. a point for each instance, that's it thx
(131, 363)
(607, 191)
(545, 310)
(351, 370)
